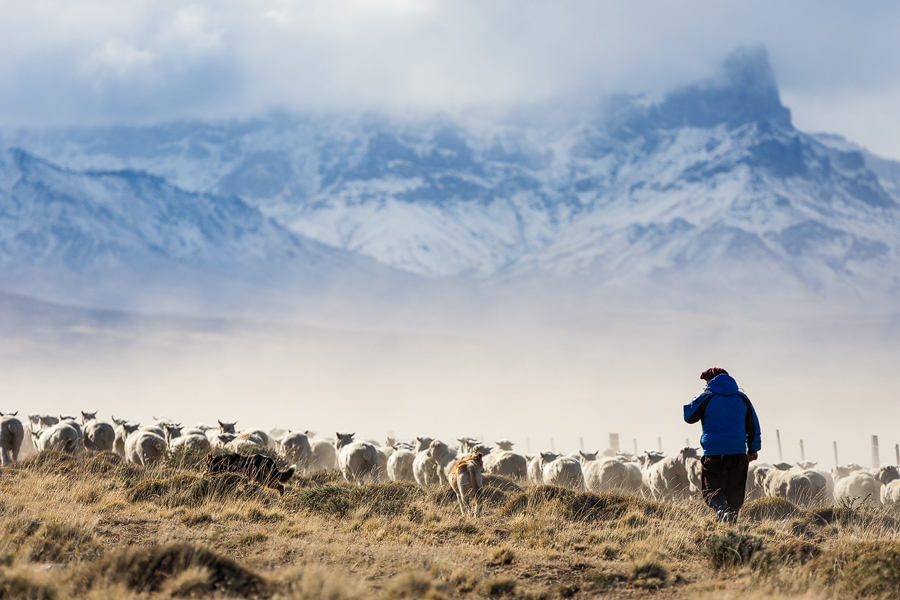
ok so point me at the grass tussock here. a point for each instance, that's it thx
(97, 528)
(382, 499)
(182, 567)
(776, 509)
(27, 584)
(86, 465)
(582, 506)
(733, 549)
(863, 569)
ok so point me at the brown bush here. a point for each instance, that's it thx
(770, 508)
(582, 506)
(148, 569)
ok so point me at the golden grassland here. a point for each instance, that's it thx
(95, 527)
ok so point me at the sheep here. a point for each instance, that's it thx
(444, 458)
(400, 465)
(563, 471)
(822, 486)
(789, 485)
(173, 431)
(191, 441)
(506, 463)
(693, 466)
(12, 433)
(99, 436)
(63, 437)
(221, 440)
(607, 474)
(145, 447)
(667, 478)
(123, 430)
(534, 470)
(504, 445)
(425, 470)
(356, 459)
(245, 439)
(890, 493)
(296, 449)
(41, 422)
(465, 476)
(322, 455)
(853, 485)
(266, 441)
(889, 477)
(226, 427)
(645, 461)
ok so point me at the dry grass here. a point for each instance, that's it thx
(94, 527)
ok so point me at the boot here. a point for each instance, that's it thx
(720, 505)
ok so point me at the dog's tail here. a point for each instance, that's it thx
(284, 476)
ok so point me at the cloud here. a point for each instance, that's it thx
(98, 60)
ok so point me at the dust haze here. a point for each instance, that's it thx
(558, 371)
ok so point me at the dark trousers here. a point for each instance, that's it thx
(725, 476)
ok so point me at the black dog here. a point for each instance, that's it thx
(258, 467)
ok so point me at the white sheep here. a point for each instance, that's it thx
(854, 485)
(322, 455)
(425, 470)
(444, 458)
(506, 463)
(196, 442)
(535, 475)
(296, 449)
(609, 474)
(357, 460)
(99, 436)
(62, 437)
(563, 471)
(123, 430)
(400, 465)
(667, 478)
(789, 485)
(12, 433)
(145, 447)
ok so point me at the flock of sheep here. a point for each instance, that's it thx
(427, 461)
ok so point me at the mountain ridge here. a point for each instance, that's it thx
(712, 179)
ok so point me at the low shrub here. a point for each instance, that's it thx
(175, 567)
(770, 508)
(582, 506)
(19, 584)
(732, 549)
(863, 569)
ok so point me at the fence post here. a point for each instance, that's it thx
(836, 461)
(802, 453)
(635, 447)
(614, 442)
(778, 437)
(875, 462)
(659, 443)
(581, 443)
(897, 450)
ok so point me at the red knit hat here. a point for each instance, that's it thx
(708, 374)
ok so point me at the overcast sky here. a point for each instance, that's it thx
(79, 61)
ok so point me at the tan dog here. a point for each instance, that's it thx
(465, 476)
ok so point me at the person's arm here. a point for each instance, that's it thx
(754, 439)
(694, 411)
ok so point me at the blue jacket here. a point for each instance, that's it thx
(729, 422)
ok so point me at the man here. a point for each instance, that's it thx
(730, 441)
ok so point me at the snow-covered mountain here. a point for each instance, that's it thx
(712, 184)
